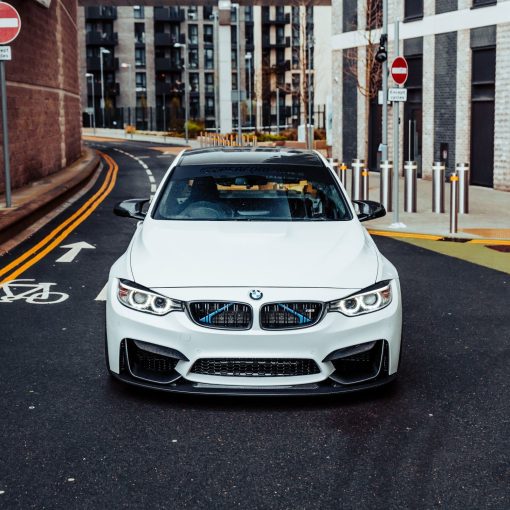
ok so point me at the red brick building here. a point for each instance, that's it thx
(43, 91)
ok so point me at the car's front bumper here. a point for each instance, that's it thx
(177, 332)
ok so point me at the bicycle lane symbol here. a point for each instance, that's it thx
(33, 293)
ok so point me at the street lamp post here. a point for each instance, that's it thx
(310, 128)
(238, 51)
(214, 16)
(248, 58)
(186, 88)
(91, 76)
(102, 52)
(124, 65)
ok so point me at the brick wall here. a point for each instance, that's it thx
(445, 95)
(43, 92)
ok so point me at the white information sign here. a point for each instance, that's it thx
(5, 53)
(397, 94)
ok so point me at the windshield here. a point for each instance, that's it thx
(252, 193)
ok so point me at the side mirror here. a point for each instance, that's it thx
(131, 208)
(369, 210)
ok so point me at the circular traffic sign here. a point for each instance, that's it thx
(399, 70)
(10, 23)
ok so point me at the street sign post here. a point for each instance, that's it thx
(399, 71)
(10, 26)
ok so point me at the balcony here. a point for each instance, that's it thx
(279, 43)
(170, 14)
(109, 63)
(277, 20)
(110, 89)
(166, 88)
(164, 39)
(167, 65)
(101, 39)
(283, 65)
(100, 13)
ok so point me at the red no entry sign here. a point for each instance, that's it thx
(10, 23)
(399, 70)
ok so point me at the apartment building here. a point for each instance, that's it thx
(143, 60)
(458, 53)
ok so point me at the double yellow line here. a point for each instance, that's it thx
(54, 238)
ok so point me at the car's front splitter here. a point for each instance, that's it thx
(327, 387)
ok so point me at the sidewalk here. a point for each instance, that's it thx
(488, 218)
(31, 202)
(120, 134)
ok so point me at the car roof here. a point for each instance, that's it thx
(250, 156)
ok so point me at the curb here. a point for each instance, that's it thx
(17, 219)
(432, 237)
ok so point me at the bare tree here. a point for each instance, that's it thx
(362, 66)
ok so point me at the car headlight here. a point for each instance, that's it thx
(371, 299)
(139, 298)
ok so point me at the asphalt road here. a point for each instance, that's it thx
(72, 438)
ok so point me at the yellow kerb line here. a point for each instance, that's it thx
(386, 233)
(93, 202)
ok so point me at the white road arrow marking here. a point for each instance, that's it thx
(74, 249)
(102, 295)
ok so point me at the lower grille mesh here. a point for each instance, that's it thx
(233, 367)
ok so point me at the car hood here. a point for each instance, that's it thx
(335, 254)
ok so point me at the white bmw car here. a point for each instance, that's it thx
(250, 273)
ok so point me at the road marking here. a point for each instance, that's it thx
(74, 249)
(55, 237)
(102, 295)
(388, 233)
(145, 167)
(33, 293)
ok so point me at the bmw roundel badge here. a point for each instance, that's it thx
(256, 294)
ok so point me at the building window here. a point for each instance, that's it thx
(248, 34)
(248, 13)
(209, 58)
(192, 12)
(413, 10)
(138, 12)
(280, 35)
(295, 15)
(233, 34)
(193, 34)
(209, 83)
(295, 58)
(483, 3)
(140, 33)
(209, 107)
(194, 107)
(193, 59)
(234, 59)
(140, 57)
(234, 81)
(141, 82)
(280, 13)
(207, 12)
(194, 82)
(208, 34)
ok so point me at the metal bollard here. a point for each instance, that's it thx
(357, 165)
(385, 191)
(438, 173)
(343, 174)
(410, 185)
(454, 203)
(462, 170)
(364, 184)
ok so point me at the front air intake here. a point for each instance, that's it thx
(290, 315)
